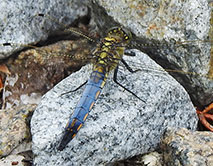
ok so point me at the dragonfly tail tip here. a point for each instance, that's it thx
(67, 137)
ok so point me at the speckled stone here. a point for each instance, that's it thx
(14, 131)
(12, 160)
(21, 25)
(36, 71)
(182, 147)
(149, 159)
(164, 30)
(161, 29)
(120, 126)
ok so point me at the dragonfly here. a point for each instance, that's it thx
(105, 58)
(107, 55)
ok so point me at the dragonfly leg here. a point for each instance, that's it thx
(115, 80)
(74, 89)
(128, 67)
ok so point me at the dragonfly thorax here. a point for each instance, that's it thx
(111, 49)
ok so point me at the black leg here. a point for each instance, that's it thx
(115, 80)
(74, 89)
(128, 67)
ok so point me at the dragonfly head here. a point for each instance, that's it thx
(120, 34)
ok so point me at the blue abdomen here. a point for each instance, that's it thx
(84, 106)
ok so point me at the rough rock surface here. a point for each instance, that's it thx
(19, 23)
(120, 126)
(164, 30)
(152, 159)
(164, 25)
(12, 160)
(14, 131)
(36, 71)
(186, 148)
(149, 159)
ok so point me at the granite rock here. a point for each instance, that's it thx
(182, 147)
(164, 30)
(170, 32)
(15, 136)
(12, 160)
(21, 25)
(120, 126)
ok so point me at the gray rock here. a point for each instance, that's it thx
(163, 26)
(182, 147)
(148, 159)
(20, 25)
(119, 126)
(164, 30)
(152, 159)
(14, 132)
(12, 160)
